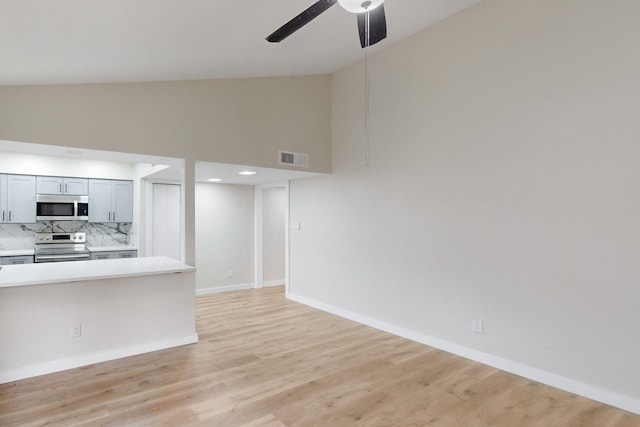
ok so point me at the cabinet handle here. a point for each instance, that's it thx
(9, 216)
(66, 188)
(114, 216)
(61, 187)
(2, 216)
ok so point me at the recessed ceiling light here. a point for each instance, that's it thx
(247, 173)
(214, 179)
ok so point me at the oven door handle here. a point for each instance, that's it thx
(74, 256)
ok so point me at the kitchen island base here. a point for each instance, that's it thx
(63, 324)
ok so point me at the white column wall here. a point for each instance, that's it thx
(224, 238)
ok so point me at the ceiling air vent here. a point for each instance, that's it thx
(294, 159)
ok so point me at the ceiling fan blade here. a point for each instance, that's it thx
(378, 26)
(300, 21)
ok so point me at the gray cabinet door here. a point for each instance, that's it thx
(15, 260)
(126, 254)
(99, 200)
(102, 255)
(21, 199)
(4, 211)
(62, 185)
(122, 201)
(50, 185)
(114, 254)
(76, 186)
(110, 201)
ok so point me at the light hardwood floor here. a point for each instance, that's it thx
(265, 361)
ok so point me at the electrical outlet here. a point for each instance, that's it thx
(76, 330)
(477, 326)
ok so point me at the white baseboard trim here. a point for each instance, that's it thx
(30, 371)
(273, 283)
(221, 289)
(599, 394)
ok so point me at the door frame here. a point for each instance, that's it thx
(258, 235)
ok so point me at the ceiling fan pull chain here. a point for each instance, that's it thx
(367, 143)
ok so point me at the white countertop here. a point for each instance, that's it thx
(111, 248)
(75, 271)
(16, 252)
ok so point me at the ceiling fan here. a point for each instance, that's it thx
(372, 24)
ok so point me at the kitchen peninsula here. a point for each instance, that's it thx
(57, 316)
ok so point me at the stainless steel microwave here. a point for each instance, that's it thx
(62, 208)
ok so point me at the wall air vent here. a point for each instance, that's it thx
(293, 159)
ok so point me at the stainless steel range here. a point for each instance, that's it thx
(54, 247)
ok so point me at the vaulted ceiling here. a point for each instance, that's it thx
(90, 41)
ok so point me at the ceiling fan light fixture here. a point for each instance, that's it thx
(359, 6)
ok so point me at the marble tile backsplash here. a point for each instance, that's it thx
(21, 236)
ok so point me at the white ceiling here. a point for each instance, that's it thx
(85, 153)
(230, 174)
(84, 41)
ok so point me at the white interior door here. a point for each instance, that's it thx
(271, 235)
(166, 222)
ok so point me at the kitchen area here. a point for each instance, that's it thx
(66, 218)
(68, 207)
(79, 283)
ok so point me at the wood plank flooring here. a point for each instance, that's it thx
(263, 361)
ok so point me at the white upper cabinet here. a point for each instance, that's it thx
(18, 199)
(110, 200)
(123, 201)
(76, 186)
(100, 200)
(49, 184)
(62, 185)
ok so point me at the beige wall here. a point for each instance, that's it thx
(503, 186)
(243, 121)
